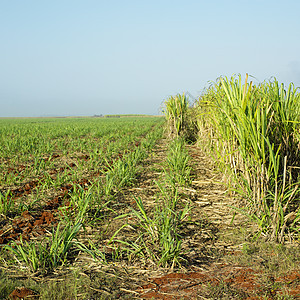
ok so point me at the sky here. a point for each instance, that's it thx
(86, 57)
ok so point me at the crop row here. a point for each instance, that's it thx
(42, 170)
(80, 202)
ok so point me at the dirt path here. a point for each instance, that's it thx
(209, 215)
(208, 238)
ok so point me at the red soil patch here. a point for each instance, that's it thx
(30, 225)
(23, 293)
(23, 190)
(191, 285)
(27, 226)
(85, 157)
(16, 171)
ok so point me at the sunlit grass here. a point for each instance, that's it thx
(252, 132)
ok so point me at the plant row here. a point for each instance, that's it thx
(153, 233)
(41, 176)
(86, 207)
(252, 132)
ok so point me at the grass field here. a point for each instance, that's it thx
(125, 208)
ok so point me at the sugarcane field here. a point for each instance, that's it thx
(198, 202)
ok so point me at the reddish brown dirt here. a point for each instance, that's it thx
(242, 282)
(29, 225)
(23, 293)
(25, 189)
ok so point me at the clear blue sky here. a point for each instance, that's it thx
(71, 57)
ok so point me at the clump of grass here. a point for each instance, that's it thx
(158, 230)
(6, 203)
(70, 285)
(268, 258)
(49, 255)
(225, 291)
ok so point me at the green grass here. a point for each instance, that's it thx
(70, 285)
(53, 252)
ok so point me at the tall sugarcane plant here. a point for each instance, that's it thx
(253, 130)
(176, 109)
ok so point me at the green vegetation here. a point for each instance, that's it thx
(87, 202)
(176, 112)
(156, 233)
(177, 166)
(181, 118)
(46, 257)
(253, 133)
(60, 176)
